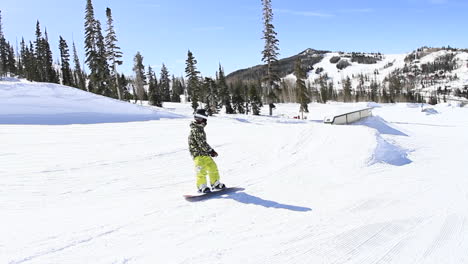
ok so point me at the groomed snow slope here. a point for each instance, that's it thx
(24, 102)
(391, 189)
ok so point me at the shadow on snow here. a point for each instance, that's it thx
(245, 198)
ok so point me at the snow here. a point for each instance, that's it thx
(337, 75)
(390, 189)
(26, 102)
(384, 67)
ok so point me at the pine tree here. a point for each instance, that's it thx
(29, 61)
(102, 74)
(224, 91)
(113, 52)
(79, 76)
(165, 84)
(385, 97)
(24, 59)
(90, 32)
(302, 94)
(193, 82)
(177, 89)
(211, 96)
(237, 98)
(374, 87)
(36, 76)
(11, 61)
(21, 70)
(255, 100)
(154, 94)
(7, 54)
(270, 53)
(123, 83)
(140, 79)
(67, 77)
(48, 63)
(323, 90)
(3, 53)
(39, 55)
(347, 89)
(90, 45)
(332, 95)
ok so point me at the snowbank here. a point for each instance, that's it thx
(26, 102)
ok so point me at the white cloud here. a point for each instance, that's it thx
(357, 10)
(302, 13)
(213, 28)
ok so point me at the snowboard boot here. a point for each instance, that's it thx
(204, 189)
(218, 186)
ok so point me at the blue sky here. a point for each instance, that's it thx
(229, 32)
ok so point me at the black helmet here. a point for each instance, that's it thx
(200, 114)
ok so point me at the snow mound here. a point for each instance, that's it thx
(430, 111)
(379, 124)
(9, 79)
(385, 151)
(26, 102)
(389, 153)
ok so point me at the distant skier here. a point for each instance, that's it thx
(202, 153)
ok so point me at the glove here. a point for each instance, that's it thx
(213, 153)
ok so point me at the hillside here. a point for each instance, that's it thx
(285, 66)
(423, 70)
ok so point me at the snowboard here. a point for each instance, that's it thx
(204, 196)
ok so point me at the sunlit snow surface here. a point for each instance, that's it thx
(389, 189)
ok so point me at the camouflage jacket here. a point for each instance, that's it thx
(197, 141)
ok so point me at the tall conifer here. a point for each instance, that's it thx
(302, 94)
(165, 84)
(193, 82)
(270, 53)
(113, 52)
(79, 76)
(3, 50)
(140, 79)
(154, 94)
(224, 91)
(67, 77)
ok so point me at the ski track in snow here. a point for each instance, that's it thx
(389, 189)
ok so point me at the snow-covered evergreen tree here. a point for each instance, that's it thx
(140, 79)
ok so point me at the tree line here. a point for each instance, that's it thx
(34, 62)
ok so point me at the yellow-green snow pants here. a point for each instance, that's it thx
(205, 165)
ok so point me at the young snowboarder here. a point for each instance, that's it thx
(202, 153)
